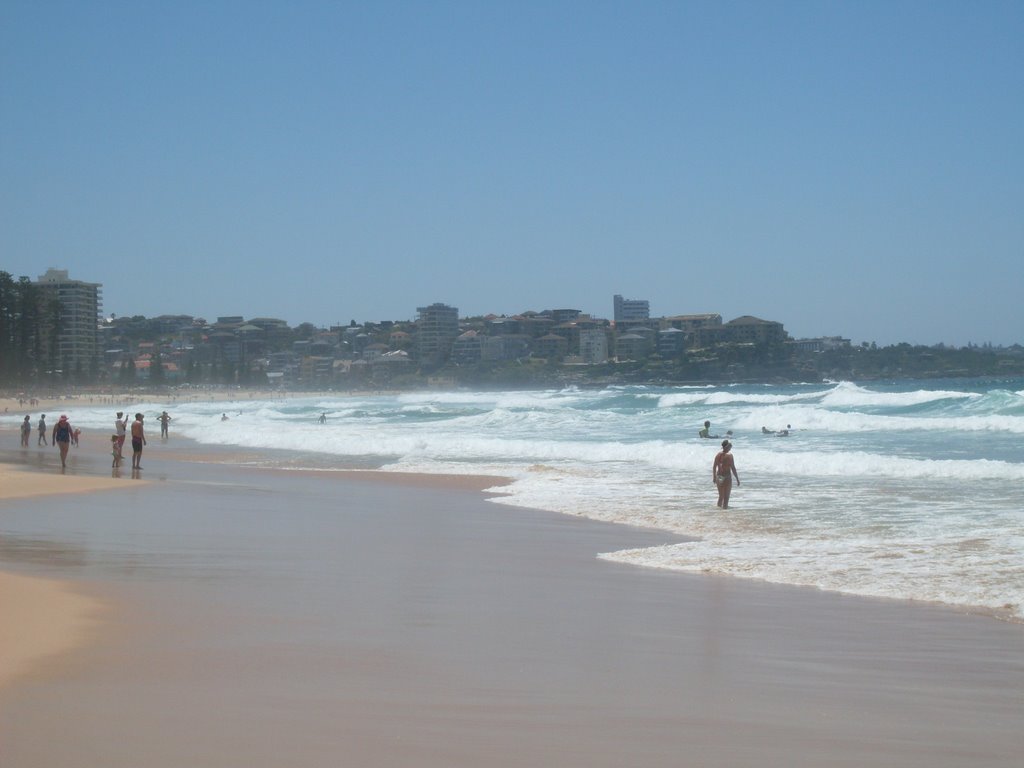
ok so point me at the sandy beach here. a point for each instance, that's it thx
(218, 615)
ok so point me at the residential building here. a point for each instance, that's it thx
(551, 347)
(467, 348)
(634, 346)
(692, 323)
(671, 342)
(626, 310)
(742, 330)
(77, 348)
(820, 344)
(593, 346)
(437, 327)
(562, 316)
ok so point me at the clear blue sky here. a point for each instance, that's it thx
(845, 168)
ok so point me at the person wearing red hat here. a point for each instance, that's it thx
(62, 438)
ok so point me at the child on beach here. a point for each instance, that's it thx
(115, 450)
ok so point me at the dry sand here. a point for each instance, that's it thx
(264, 618)
(42, 618)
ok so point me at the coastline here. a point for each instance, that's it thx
(266, 617)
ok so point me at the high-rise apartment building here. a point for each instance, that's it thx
(77, 326)
(628, 310)
(437, 327)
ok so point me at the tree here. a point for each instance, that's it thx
(127, 376)
(156, 369)
(23, 325)
(304, 332)
(8, 304)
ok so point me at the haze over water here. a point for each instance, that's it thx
(909, 490)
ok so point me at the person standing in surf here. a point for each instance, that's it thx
(722, 473)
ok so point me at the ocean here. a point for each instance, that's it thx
(906, 490)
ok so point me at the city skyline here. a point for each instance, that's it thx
(848, 170)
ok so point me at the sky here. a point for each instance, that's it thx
(847, 169)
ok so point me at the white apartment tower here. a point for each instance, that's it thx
(631, 309)
(437, 327)
(77, 326)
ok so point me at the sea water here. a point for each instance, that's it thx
(904, 490)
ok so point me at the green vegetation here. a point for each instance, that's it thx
(752, 363)
(28, 349)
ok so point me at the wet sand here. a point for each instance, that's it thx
(42, 620)
(271, 618)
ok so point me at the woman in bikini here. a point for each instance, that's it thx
(722, 473)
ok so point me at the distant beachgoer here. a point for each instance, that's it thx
(766, 431)
(706, 432)
(26, 430)
(163, 418)
(77, 433)
(722, 472)
(42, 431)
(223, 417)
(120, 429)
(115, 450)
(138, 440)
(323, 418)
(62, 432)
(783, 432)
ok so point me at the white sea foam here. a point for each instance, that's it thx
(846, 394)
(908, 492)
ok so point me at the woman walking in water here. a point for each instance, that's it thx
(62, 432)
(722, 473)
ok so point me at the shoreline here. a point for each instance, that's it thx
(875, 566)
(185, 450)
(47, 619)
(291, 617)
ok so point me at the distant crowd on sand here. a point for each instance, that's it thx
(31, 400)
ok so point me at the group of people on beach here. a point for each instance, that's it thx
(138, 433)
(64, 435)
